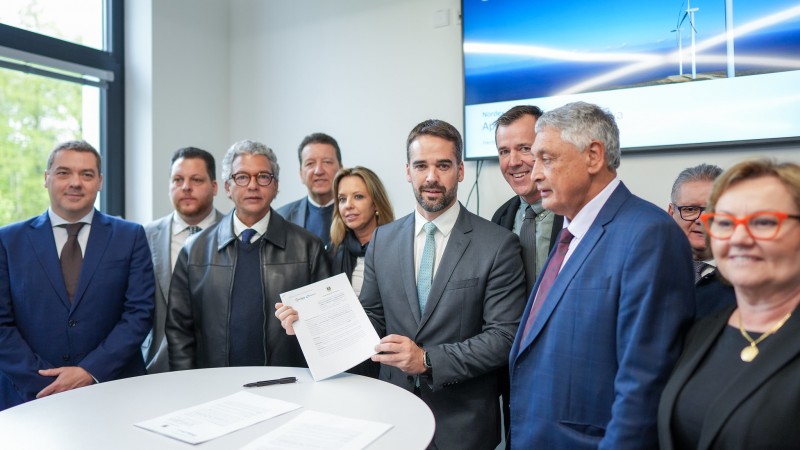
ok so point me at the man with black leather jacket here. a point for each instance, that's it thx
(229, 276)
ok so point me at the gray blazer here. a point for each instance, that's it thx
(295, 212)
(474, 306)
(159, 236)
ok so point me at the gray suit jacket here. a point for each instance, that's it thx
(473, 309)
(295, 211)
(159, 236)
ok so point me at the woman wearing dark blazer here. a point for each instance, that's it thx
(361, 205)
(737, 384)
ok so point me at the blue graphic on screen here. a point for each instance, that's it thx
(571, 45)
(696, 74)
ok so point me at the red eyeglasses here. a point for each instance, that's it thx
(761, 225)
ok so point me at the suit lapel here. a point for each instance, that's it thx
(456, 246)
(558, 224)
(510, 213)
(162, 255)
(575, 262)
(784, 348)
(99, 237)
(301, 212)
(404, 245)
(44, 246)
(700, 344)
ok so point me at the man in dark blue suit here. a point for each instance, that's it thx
(76, 288)
(320, 158)
(604, 322)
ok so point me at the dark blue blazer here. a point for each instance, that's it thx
(101, 330)
(590, 372)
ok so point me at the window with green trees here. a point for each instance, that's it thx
(60, 79)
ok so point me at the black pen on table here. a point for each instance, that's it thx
(286, 380)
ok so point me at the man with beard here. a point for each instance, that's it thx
(445, 288)
(192, 187)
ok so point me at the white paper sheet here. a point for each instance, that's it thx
(313, 430)
(333, 329)
(213, 419)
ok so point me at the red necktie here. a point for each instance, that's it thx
(549, 277)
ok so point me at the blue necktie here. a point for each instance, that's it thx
(247, 236)
(426, 267)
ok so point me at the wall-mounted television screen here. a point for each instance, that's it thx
(675, 73)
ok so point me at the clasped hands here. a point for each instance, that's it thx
(393, 350)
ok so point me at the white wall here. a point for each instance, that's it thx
(177, 94)
(364, 71)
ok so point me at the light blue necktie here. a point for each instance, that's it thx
(426, 266)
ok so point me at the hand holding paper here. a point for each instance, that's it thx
(331, 326)
(287, 315)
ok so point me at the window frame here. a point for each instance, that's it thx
(112, 98)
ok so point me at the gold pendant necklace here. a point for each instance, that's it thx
(750, 352)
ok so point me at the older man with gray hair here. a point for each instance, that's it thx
(229, 276)
(605, 320)
(689, 198)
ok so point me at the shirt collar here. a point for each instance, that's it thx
(580, 224)
(57, 220)
(310, 200)
(260, 226)
(179, 225)
(444, 223)
(523, 204)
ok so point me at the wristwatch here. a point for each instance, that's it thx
(426, 360)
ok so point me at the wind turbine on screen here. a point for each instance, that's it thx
(678, 30)
(690, 11)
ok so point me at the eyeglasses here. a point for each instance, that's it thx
(689, 213)
(761, 225)
(243, 179)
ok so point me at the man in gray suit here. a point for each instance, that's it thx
(320, 158)
(192, 187)
(446, 290)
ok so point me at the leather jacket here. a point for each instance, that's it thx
(198, 316)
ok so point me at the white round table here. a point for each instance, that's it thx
(102, 416)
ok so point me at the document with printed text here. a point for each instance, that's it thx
(332, 327)
(216, 418)
(313, 430)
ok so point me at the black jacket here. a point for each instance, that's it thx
(198, 315)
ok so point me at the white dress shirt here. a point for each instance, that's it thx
(444, 225)
(60, 233)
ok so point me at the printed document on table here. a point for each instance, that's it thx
(332, 327)
(213, 419)
(313, 430)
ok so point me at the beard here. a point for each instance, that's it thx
(447, 198)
